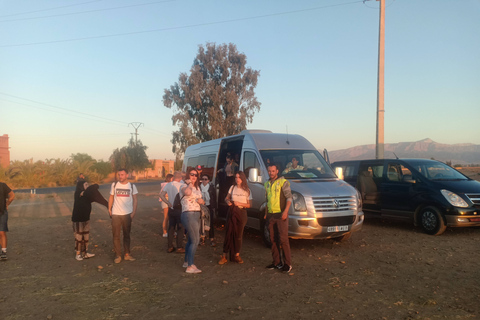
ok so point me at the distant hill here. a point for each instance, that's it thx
(462, 153)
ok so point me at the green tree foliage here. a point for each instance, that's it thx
(215, 100)
(132, 157)
(54, 172)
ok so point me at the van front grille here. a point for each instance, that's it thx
(336, 221)
(474, 197)
(333, 204)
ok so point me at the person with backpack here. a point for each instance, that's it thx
(122, 206)
(170, 196)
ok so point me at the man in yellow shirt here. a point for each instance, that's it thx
(279, 197)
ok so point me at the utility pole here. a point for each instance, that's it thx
(136, 125)
(379, 148)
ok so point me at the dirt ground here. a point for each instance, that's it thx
(389, 270)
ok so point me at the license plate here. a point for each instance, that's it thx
(474, 219)
(337, 228)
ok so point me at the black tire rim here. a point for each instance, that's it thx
(429, 220)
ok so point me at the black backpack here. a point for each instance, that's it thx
(177, 203)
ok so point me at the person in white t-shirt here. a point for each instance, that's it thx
(164, 206)
(122, 206)
(168, 195)
(239, 198)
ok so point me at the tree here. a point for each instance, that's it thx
(132, 157)
(216, 100)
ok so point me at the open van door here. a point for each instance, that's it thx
(228, 147)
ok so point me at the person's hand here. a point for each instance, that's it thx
(228, 202)
(284, 215)
(133, 215)
(200, 201)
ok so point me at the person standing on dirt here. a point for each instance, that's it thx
(279, 199)
(82, 207)
(164, 206)
(191, 201)
(122, 206)
(168, 195)
(239, 198)
(6, 197)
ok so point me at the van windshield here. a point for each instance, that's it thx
(437, 171)
(298, 164)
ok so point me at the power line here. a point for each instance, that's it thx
(49, 9)
(88, 11)
(182, 27)
(60, 108)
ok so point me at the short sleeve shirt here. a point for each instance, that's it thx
(189, 203)
(123, 197)
(172, 188)
(240, 195)
(4, 191)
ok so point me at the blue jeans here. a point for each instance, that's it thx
(191, 222)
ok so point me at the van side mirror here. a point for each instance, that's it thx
(253, 175)
(339, 172)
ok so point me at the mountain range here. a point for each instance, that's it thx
(462, 153)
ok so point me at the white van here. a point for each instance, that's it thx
(323, 205)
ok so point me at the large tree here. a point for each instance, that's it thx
(216, 100)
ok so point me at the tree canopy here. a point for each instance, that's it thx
(131, 157)
(215, 100)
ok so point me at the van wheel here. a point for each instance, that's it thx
(344, 237)
(265, 233)
(431, 221)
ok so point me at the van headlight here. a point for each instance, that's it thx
(298, 202)
(359, 201)
(454, 199)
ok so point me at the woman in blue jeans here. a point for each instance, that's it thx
(191, 195)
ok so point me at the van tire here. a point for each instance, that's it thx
(265, 233)
(344, 237)
(431, 221)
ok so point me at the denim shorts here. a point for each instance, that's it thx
(3, 221)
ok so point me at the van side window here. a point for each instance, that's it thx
(349, 171)
(207, 161)
(398, 173)
(192, 162)
(250, 160)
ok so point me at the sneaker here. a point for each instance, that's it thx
(274, 266)
(185, 264)
(77, 257)
(170, 250)
(180, 250)
(237, 259)
(223, 260)
(192, 269)
(286, 268)
(129, 258)
(117, 259)
(165, 235)
(87, 255)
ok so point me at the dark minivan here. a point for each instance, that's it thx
(426, 192)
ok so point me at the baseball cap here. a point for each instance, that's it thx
(199, 167)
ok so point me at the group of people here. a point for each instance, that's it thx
(183, 199)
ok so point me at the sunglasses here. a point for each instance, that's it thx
(193, 174)
(204, 179)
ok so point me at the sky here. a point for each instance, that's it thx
(75, 73)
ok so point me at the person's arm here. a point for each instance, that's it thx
(10, 198)
(110, 204)
(287, 192)
(228, 198)
(164, 199)
(134, 206)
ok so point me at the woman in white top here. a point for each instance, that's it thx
(191, 196)
(239, 198)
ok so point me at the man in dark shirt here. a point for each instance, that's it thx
(6, 197)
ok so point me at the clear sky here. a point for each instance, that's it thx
(74, 73)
